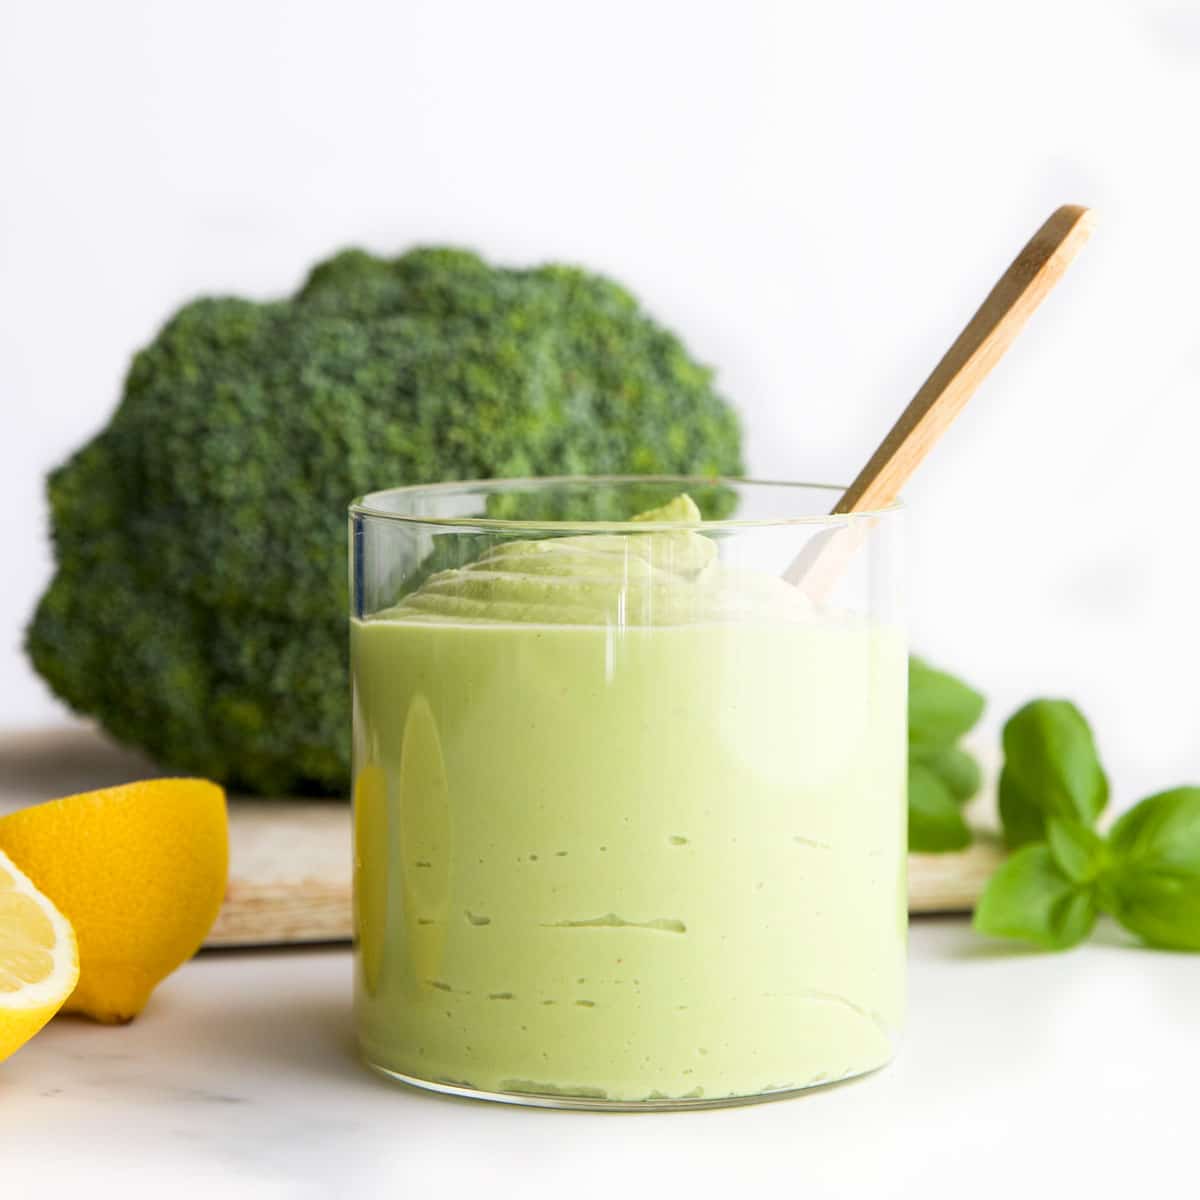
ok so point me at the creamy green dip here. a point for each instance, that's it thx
(629, 826)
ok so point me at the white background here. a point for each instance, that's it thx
(816, 195)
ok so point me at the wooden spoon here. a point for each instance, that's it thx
(963, 367)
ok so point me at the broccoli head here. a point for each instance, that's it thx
(198, 608)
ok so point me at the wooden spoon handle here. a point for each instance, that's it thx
(966, 364)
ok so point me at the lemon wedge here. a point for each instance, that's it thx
(39, 963)
(139, 870)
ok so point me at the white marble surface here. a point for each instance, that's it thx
(1023, 1074)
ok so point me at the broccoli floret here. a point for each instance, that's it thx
(198, 609)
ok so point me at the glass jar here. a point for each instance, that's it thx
(629, 795)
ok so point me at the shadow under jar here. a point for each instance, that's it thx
(629, 805)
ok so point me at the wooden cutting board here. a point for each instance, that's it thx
(289, 867)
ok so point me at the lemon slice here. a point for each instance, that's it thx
(39, 963)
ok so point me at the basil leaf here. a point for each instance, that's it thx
(935, 822)
(1154, 887)
(1080, 852)
(940, 708)
(954, 767)
(1051, 769)
(1031, 898)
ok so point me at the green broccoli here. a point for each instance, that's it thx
(199, 606)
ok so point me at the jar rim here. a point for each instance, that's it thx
(367, 505)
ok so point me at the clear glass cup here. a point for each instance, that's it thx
(629, 800)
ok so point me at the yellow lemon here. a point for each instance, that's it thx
(138, 870)
(38, 960)
(370, 872)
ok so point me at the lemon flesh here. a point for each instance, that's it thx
(39, 963)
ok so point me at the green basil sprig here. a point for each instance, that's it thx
(1145, 873)
(941, 776)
